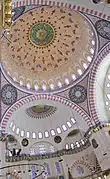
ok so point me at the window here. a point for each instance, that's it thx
(11, 124)
(72, 146)
(47, 169)
(73, 120)
(28, 134)
(64, 127)
(42, 149)
(69, 124)
(22, 133)
(108, 95)
(82, 141)
(32, 151)
(52, 132)
(33, 135)
(46, 134)
(17, 131)
(57, 165)
(77, 144)
(13, 128)
(58, 130)
(67, 146)
(40, 135)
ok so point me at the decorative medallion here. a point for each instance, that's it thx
(43, 50)
(57, 139)
(103, 28)
(8, 94)
(25, 142)
(41, 111)
(42, 34)
(80, 170)
(78, 94)
(18, 11)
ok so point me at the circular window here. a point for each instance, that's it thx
(25, 142)
(57, 139)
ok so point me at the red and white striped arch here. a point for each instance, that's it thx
(61, 4)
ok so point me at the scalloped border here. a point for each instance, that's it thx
(31, 98)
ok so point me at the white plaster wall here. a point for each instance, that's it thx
(99, 88)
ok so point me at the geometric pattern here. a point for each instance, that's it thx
(78, 94)
(103, 28)
(40, 111)
(8, 94)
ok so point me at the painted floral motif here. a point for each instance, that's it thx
(41, 111)
(78, 94)
(8, 94)
(103, 28)
(42, 34)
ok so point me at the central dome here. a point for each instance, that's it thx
(47, 48)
